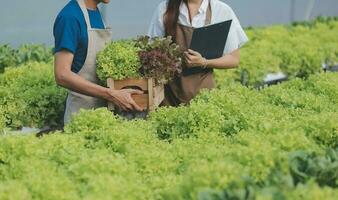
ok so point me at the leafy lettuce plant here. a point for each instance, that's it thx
(34, 52)
(160, 57)
(157, 58)
(119, 60)
(10, 57)
(7, 57)
(30, 97)
(323, 169)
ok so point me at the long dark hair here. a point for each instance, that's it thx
(171, 16)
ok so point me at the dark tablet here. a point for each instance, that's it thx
(210, 40)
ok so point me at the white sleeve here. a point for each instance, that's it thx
(156, 28)
(237, 37)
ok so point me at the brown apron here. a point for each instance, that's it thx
(184, 88)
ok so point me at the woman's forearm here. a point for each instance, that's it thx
(226, 62)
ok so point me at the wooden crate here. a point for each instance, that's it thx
(151, 98)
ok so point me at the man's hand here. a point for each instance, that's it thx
(194, 59)
(123, 99)
(66, 78)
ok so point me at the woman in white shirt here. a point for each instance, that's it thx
(178, 18)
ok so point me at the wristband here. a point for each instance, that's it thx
(205, 63)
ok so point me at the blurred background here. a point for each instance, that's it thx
(31, 21)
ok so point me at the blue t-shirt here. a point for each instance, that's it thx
(70, 32)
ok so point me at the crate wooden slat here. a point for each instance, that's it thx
(158, 95)
(150, 94)
(141, 83)
(141, 100)
(110, 84)
(150, 100)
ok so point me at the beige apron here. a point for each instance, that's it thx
(97, 38)
(185, 87)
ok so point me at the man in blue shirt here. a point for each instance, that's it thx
(80, 34)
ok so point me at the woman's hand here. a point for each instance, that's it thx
(227, 61)
(123, 99)
(195, 59)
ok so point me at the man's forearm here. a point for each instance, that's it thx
(66, 78)
(80, 85)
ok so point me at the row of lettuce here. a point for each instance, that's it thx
(30, 97)
(11, 57)
(280, 142)
(298, 51)
(232, 143)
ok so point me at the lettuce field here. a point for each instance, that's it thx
(235, 142)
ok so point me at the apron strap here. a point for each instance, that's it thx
(196, 70)
(85, 12)
(86, 15)
(208, 15)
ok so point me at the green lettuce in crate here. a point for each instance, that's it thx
(157, 58)
(119, 60)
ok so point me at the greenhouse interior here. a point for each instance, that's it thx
(169, 99)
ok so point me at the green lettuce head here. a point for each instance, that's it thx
(119, 60)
